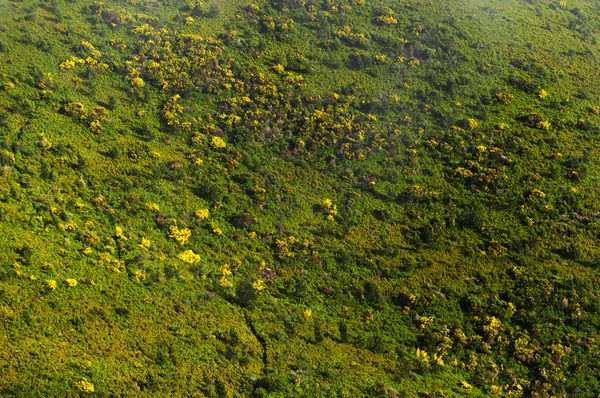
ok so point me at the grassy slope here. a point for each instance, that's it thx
(411, 238)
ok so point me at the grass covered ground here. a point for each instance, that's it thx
(313, 198)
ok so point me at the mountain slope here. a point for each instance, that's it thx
(299, 198)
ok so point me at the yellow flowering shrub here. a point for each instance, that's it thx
(76, 109)
(119, 233)
(152, 206)
(85, 386)
(68, 64)
(217, 142)
(145, 244)
(71, 282)
(137, 82)
(381, 58)
(522, 348)
(200, 139)
(504, 97)
(413, 63)
(189, 257)
(425, 321)
(68, 226)
(387, 20)
(180, 235)
(139, 275)
(51, 284)
(461, 171)
(544, 125)
(283, 246)
(330, 209)
(537, 193)
(171, 109)
(493, 327)
(259, 285)
(202, 214)
(225, 272)
(423, 356)
(96, 126)
(215, 228)
(44, 142)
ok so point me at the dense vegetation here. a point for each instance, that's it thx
(299, 198)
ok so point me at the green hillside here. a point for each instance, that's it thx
(299, 198)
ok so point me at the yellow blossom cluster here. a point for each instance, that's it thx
(152, 206)
(105, 258)
(413, 63)
(119, 233)
(189, 257)
(347, 34)
(139, 275)
(180, 235)
(283, 246)
(544, 125)
(71, 282)
(330, 209)
(68, 226)
(429, 360)
(425, 321)
(118, 43)
(493, 327)
(381, 58)
(202, 214)
(538, 193)
(215, 228)
(259, 285)
(68, 64)
(504, 97)
(386, 20)
(217, 142)
(171, 109)
(145, 244)
(85, 386)
(226, 273)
